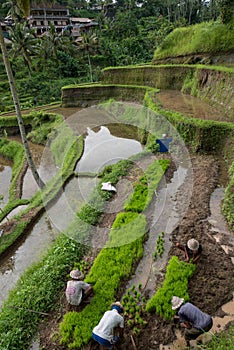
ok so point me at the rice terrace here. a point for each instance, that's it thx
(133, 166)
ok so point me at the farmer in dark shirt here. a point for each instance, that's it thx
(191, 318)
(192, 250)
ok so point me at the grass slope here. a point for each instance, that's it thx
(205, 37)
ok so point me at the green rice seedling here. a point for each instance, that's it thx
(130, 323)
(144, 189)
(136, 310)
(159, 246)
(136, 330)
(175, 283)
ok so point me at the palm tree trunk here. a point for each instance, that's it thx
(15, 97)
(90, 68)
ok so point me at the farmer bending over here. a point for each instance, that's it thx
(77, 290)
(191, 318)
(111, 321)
(192, 250)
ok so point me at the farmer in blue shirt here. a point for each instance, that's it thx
(191, 318)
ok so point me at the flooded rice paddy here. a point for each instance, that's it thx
(76, 192)
(5, 180)
(99, 143)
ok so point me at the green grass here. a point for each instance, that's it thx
(222, 341)
(145, 187)
(37, 290)
(206, 37)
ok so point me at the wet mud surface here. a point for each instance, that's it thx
(190, 106)
(211, 286)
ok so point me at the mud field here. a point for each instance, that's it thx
(211, 286)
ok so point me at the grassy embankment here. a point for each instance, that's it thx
(207, 38)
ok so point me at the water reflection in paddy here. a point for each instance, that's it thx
(29, 252)
(5, 178)
(101, 148)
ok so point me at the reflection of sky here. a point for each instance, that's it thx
(46, 170)
(75, 193)
(102, 148)
(5, 180)
(30, 251)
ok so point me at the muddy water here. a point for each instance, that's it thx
(190, 106)
(166, 217)
(27, 253)
(5, 178)
(74, 195)
(45, 169)
(94, 159)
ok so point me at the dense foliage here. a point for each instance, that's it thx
(126, 34)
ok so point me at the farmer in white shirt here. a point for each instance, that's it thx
(77, 290)
(111, 321)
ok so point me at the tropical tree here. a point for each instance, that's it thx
(50, 47)
(24, 43)
(53, 42)
(89, 45)
(25, 6)
(13, 9)
(226, 8)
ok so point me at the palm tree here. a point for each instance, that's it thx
(54, 42)
(23, 42)
(89, 45)
(25, 7)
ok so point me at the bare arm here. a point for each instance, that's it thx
(182, 247)
(186, 324)
(121, 332)
(88, 290)
(196, 258)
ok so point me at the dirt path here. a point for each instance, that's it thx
(211, 286)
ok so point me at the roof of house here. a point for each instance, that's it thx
(48, 6)
(80, 20)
